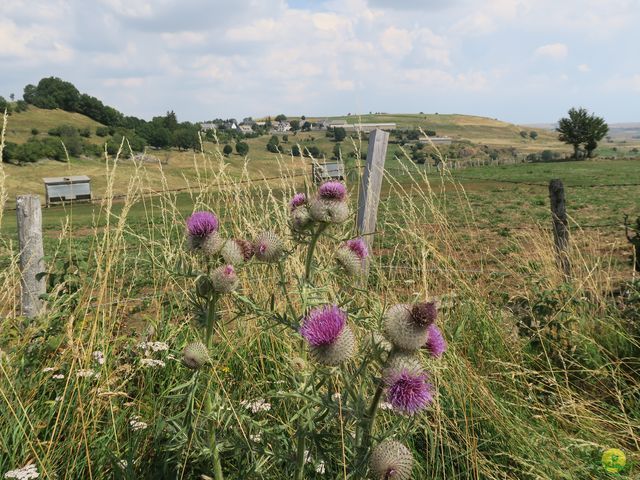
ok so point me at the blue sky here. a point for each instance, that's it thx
(518, 60)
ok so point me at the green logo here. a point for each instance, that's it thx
(613, 460)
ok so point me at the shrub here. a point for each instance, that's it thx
(227, 150)
(242, 148)
(102, 131)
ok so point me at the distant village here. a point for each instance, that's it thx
(248, 125)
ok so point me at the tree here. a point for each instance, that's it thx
(597, 129)
(281, 118)
(581, 128)
(533, 134)
(337, 153)
(158, 137)
(185, 138)
(295, 125)
(339, 134)
(306, 126)
(53, 92)
(242, 148)
(273, 144)
(4, 105)
(227, 150)
(524, 134)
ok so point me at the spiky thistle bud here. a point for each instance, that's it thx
(391, 460)
(301, 219)
(195, 355)
(407, 388)
(298, 200)
(406, 325)
(268, 247)
(331, 340)
(202, 233)
(328, 211)
(352, 256)
(201, 224)
(224, 279)
(332, 190)
(204, 286)
(330, 204)
(436, 344)
(237, 251)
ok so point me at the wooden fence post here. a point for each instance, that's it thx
(29, 216)
(371, 184)
(560, 228)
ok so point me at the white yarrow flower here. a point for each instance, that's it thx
(257, 438)
(137, 424)
(152, 362)
(259, 405)
(336, 397)
(98, 356)
(49, 369)
(154, 346)
(85, 373)
(58, 376)
(320, 467)
(24, 473)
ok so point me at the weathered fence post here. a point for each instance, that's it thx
(29, 215)
(560, 228)
(371, 184)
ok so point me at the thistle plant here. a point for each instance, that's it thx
(327, 321)
(388, 367)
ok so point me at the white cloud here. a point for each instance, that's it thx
(555, 51)
(208, 58)
(396, 41)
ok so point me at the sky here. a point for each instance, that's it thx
(523, 61)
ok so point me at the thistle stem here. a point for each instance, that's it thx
(308, 268)
(371, 414)
(217, 466)
(212, 305)
(300, 455)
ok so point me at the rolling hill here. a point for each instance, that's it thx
(19, 125)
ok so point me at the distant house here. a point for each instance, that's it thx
(368, 127)
(244, 128)
(331, 123)
(436, 140)
(283, 126)
(208, 126)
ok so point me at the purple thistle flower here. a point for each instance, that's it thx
(201, 224)
(323, 325)
(408, 391)
(359, 247)
(333, 191)
(297, 200)
(436, 344)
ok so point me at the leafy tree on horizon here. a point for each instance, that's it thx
(579, 128)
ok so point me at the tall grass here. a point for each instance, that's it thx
(541, 374)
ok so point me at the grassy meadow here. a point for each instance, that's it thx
(540, 376)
